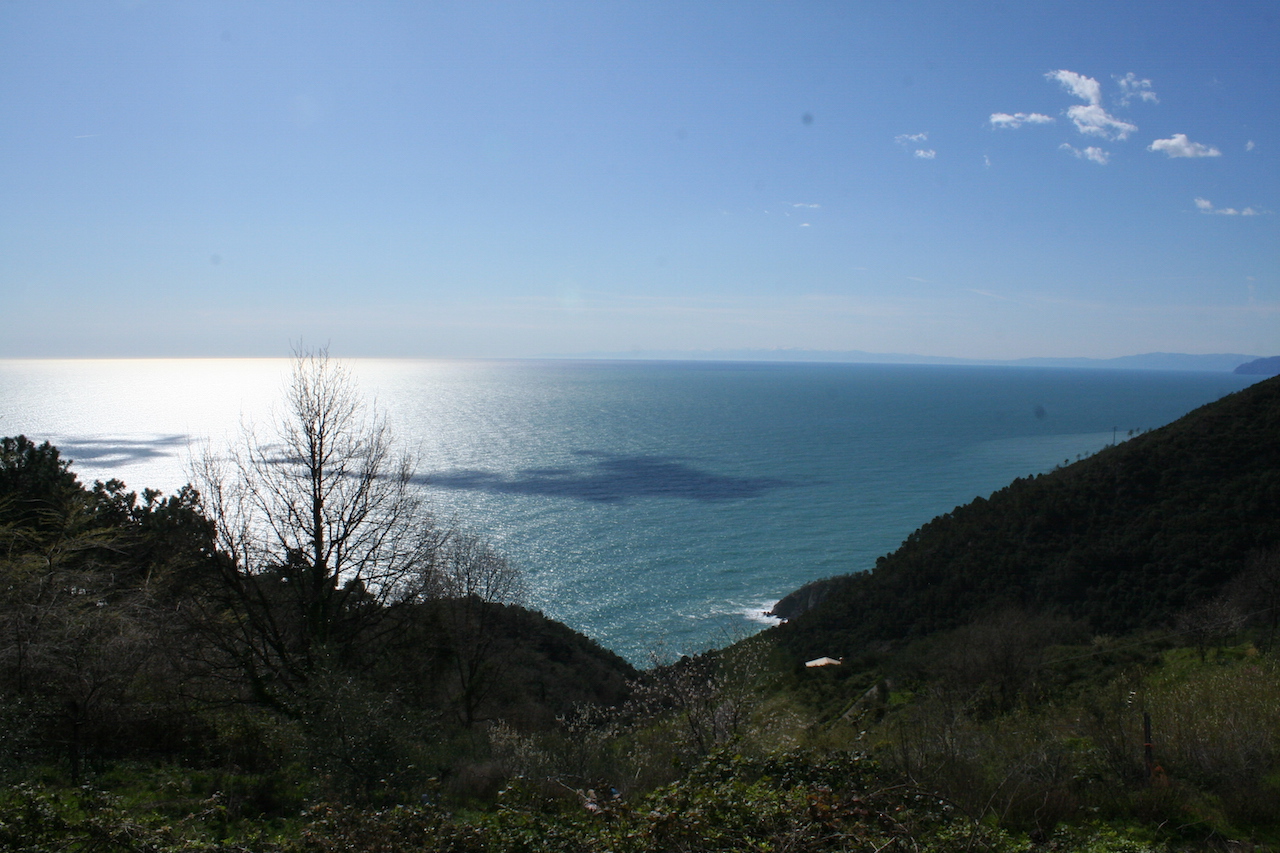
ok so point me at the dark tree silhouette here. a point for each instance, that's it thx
(324, 531)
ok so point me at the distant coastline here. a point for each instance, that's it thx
(1215, 362)
(1260, 367)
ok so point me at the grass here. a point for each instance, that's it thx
(843, 762)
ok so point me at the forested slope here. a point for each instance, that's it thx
(1121, 540)
(122, 638)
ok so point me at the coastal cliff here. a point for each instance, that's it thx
(803, 599)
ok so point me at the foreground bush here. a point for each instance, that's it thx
(791, 802)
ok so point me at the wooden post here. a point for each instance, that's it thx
(1147, 748)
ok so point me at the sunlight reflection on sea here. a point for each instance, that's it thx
(650, 504)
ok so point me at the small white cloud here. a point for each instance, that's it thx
(1093, 120)
(1017, 120)
(805, 225)
(1249, 146)
(1097, 155)
(802, 204)
(1092, 153)
(986, 161)
(989, 294)
(906, 140)
(1179, 146)
(1131, 87)
(1084, 88)
(1206, 206)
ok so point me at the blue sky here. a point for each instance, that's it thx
(516, 179)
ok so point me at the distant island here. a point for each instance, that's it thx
(1215, 362)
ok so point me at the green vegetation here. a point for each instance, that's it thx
(297, 657)
(1119, 541)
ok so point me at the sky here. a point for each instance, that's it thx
(437, 179)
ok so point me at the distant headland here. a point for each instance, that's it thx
(1260, 367)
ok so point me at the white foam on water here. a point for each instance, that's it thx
(759, 613)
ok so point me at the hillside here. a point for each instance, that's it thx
(125, 637)
(457, 722)
(1120, 540)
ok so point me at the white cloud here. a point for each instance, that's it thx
(1018, 119)
(1249, 146)
(986, 161)
(1179, 146)
(1084, 88)
(1206, 206)
(989, 294)
(1131, 87)
(906, 140)
(802, 204)
(1093, 154)
(1093, 120)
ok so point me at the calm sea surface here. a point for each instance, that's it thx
(651, 505)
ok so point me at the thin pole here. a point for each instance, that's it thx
(1147, 748)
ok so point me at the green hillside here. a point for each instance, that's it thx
(1120, 540)
(1085, 661)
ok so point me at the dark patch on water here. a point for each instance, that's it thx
(611, 478)
(110, 452)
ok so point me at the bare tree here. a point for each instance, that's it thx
(324, 531)
(474, 579)
(470, 568)
(712, 694)
(1255, 594)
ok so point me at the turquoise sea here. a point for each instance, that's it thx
(659, 507)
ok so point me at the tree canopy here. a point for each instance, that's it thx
(1121, 539)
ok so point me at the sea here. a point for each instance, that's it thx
(661, 507)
